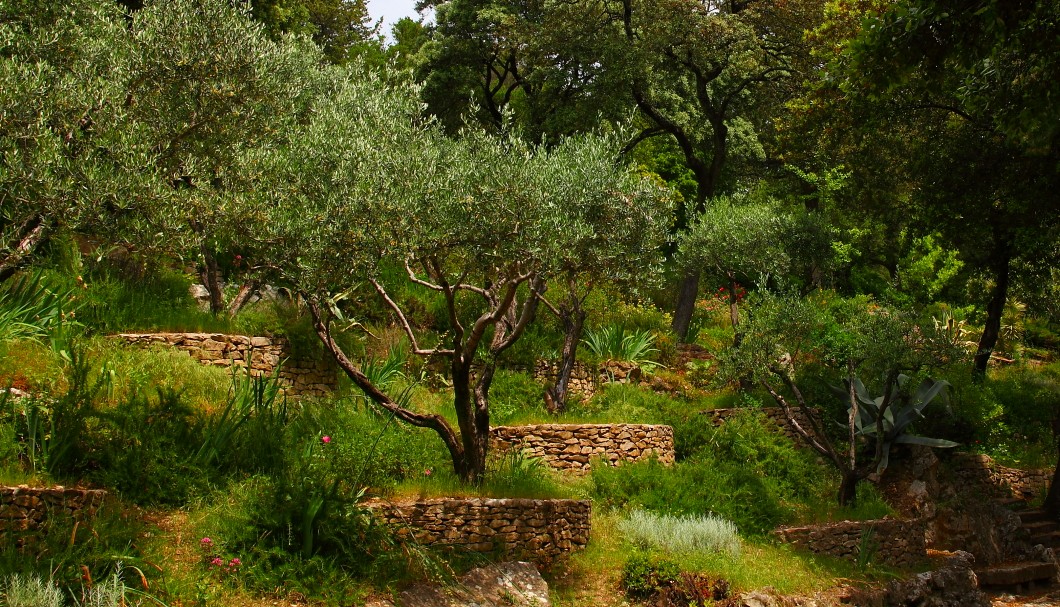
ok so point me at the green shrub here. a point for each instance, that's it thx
(514, 395)
(31, 591)
(627, 403)
(31, 307)
(147, 451)
(743, 470)
(513, 474)
(157, 300)
(611, 309)
(643, 575)
(681, 534)
(692, 487)
(64, 550)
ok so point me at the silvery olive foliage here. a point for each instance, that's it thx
(367, 182)
(65, 158)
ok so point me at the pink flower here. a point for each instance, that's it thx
(235, 563)
(217, 562)
(427, 472)
(325, 439)
(206, 543)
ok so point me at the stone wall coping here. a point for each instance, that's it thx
(844, 524)
(573, 426)
(53, 490)
(484, 501)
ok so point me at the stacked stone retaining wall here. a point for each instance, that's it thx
(586, 379)
(539, 530)
(773, 414)
(969, 469)
(24, 510)
(258, 355)
(897, 543)
(573, 446)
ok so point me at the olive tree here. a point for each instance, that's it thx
(63, 158)
(367, 182)
(853, 339)
(734, 240)
(605, 237)
(205, 87)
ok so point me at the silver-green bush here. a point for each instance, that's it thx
(683, 534)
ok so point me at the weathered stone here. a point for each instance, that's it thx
(953, 585)
(514, 584)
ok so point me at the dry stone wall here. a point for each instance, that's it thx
(773, 414)
(586, 379)
(971, 469)
(899, 543)
(258, 355)
(573, 446)
(24, 509)
(539, 530)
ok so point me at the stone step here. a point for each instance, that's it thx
(1013, 503)
(1016, 574)
(1041, 527)
(1034, 515)
(1049, 540)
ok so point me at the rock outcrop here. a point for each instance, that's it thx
(512, 584)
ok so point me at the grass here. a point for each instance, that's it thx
(591, 577)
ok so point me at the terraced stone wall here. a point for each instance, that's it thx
(258, 355)
(585, 379)
(573, 446)
(773, 414)
(24, 509)
(539, 530)
(894, 542)
(970, 469)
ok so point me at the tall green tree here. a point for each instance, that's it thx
(944, 115)
(754, 242)
(512, 64)
(703, 75)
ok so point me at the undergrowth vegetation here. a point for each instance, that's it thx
(275, 489)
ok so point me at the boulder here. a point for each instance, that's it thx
(952, 585)
(511, 584)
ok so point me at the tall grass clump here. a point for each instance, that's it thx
(682, 534)
(616, 343)
(30, 307)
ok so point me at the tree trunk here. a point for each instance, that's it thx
(31, 234)
(1052, 499)
(472, 464)
(573, 323)
(245, 292)
(848, 488)
(686, 304)
(994, 309)
(734, 312)
(211, 277)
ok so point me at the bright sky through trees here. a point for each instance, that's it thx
(390, 11)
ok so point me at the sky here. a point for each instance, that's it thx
(391, 11)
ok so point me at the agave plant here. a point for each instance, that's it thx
(903, 407)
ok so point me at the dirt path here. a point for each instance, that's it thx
(1047, 597)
